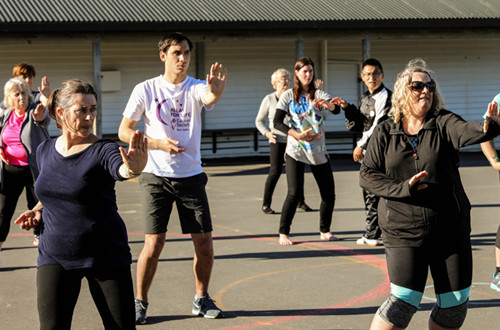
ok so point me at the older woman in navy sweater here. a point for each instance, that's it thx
(83, 234)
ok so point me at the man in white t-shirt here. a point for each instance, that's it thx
(171, 106)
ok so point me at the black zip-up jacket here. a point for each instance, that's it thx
(361, 119)
(440, 212)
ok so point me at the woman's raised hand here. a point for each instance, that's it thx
(137, 156)
(39, 113)
(320, 103)
(493, 114)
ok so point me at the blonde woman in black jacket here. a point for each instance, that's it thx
(412, 164)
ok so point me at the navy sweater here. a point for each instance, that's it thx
(82, 227)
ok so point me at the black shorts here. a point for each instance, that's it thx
(451, 270)
(189, 195)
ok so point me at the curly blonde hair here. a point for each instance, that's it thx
(400, 97)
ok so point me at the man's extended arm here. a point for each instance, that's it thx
(127, 128)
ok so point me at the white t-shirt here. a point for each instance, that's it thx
(174, 111)
(304, 116)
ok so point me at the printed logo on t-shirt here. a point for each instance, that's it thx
(305, 116)
(179, 119)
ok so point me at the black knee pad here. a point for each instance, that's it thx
(397, 312)
(452, 317)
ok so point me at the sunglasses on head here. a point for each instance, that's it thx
(419, 86)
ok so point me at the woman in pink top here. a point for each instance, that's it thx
(23, 126)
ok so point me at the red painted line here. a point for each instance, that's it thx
(21, 234)
(379, 263)
(130, 234)
(381, 290)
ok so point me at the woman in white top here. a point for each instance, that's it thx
(306, 145)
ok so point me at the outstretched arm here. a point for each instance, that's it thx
(216, 82)
(490, 153)
(320, 103)
(340, 102)
(127, 129)
(39, 113)
(136, 158)
(45, 91)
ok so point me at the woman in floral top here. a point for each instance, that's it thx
(306, 145)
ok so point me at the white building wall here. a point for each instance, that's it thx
(467, 73)
(136, 62)
(58, 62)
(344, 63)
(466, 70)
(250, 64)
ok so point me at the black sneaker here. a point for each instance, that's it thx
(140, 311)
(304, 207)
(206, 306)
(267, 210)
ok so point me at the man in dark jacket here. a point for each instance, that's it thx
(373, 108)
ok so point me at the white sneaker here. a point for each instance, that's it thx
(367, 241)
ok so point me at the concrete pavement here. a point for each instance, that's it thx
(259, 284)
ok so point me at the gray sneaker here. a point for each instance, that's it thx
(495, 284)
(140, 311)
(206, 306)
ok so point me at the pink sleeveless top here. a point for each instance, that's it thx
(12, 148)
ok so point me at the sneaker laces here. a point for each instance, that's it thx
(209, 302)
(141, 304)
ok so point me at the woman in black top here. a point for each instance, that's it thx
(412, 163)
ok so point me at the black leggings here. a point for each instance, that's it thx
(111, 289)
(276, 160)
(295, 178)
(15, 179)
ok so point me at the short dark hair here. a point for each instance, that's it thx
(373, 62)
(23, 70)
(173, 38)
